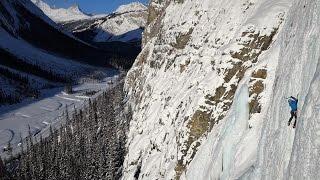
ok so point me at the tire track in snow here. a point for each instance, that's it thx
(11, 135)
(22, 115)
(67, 98)
(52, 109)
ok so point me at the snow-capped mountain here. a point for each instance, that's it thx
(131, 7)
(207, 94)
(35, 53)
(126, 24)
(60, 14)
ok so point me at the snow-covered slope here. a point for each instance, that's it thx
(60, 14)
(126, 24)
(208, 91)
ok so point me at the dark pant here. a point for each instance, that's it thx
(293, 114)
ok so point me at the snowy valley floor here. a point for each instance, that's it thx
(46, 111)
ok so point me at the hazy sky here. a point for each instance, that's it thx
(93, 6)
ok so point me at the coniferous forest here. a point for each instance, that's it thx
(90, 145)
(23, 87)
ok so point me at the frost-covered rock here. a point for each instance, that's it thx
(187, 87)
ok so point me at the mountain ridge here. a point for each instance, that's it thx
(123, 27)
(60, 14)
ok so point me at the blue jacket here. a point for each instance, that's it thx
(293, 103)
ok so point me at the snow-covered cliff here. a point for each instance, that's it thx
(208, 91)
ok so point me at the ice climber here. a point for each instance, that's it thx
(293, 103)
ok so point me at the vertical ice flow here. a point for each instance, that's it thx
(235, 131)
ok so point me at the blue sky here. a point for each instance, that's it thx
(93, 6)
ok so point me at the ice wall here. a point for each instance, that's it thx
(287, 153)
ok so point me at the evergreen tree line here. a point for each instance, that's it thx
(3, 172)
(91, 144)
(121, 62)
(13, 62)
(14, 76)
(8, 98)
(21, 83)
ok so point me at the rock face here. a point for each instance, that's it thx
(208, 91)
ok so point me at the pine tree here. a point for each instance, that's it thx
(89, 145)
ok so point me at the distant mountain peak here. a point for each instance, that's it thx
(72, 13)
(75, 7)
(135, 6)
